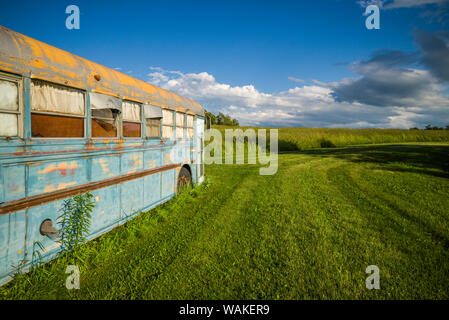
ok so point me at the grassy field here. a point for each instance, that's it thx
(298, 139)
(308, 232)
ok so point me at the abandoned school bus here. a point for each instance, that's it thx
(69, 126)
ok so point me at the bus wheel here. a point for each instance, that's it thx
(184, 179)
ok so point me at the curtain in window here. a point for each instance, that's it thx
(9, 101)
(53, 98)
(8, 125)
(131, 111)
(167, 123)
(9, 98)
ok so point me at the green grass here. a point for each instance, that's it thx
(297, 139)
(308, 232)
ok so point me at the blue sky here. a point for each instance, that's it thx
(294, 63)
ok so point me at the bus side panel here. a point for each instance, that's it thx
(104, 167)
(36, 215)
(152, 189)
(168, 183)
(131, 162)
(50, 176)
(14, 179)
(107, 207)
(12, 240)
(152, 159)
(132, 196)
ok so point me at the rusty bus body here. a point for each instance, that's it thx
(50, 152)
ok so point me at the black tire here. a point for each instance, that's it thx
(184, 178)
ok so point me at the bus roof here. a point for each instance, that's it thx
(20, 54)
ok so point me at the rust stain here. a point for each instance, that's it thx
(49, 187)
(64, 168)
(103, 164)
(14, 187)
(28, 202)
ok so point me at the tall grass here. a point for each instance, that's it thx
(297, 139)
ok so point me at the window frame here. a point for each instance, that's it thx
(118, 119)
(184, 131)
(168, 125)
(160, 129)
(192, 127)
(122, 120)
(19, 112)
(84, 92)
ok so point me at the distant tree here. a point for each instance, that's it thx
(220, 118)
(223, 119)
(213, 119)
(414, 128)
(447, 127)
(428, 127)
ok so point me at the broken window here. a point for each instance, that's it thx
(105, 112)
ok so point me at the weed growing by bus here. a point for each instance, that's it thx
(75, 220)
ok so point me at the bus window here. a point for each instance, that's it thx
(56, 111)
(180, 124)
(190, 131)
(153, 116)
(132, 124)
(168, 123)
(9, 108)
(105, 112)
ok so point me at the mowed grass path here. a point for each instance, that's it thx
(307, 232)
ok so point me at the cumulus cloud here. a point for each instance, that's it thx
(435, 52)
(386, 81)
(314, 105)
(394, 89)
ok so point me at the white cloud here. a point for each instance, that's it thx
(306, 105)
(296, 79)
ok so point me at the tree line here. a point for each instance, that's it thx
(222, 119)
(430, 127)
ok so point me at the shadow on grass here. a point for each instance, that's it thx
(423, 159)
(430, 160)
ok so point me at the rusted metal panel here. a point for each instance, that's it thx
(36, 200)
(152, 189)
(131, 162)
(50, 176)
(14, 181)
(107, 207)
(104, 167)
(12, 242)
(168, 183)
(23, 55)
(131, 196)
